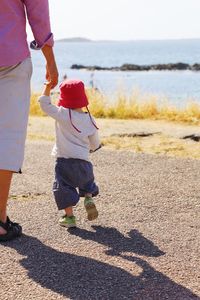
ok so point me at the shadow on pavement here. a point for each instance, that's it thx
(78, 277)
(108, 236)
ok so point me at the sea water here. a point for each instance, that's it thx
(178, 86)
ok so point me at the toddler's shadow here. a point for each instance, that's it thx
(117, 242)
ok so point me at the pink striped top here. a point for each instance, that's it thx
(13, 39)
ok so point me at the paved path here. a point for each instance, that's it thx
(145, 244)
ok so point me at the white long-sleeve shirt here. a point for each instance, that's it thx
(69, 142)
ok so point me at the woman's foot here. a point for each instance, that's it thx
(90, 208)
(9, 230)
(2, 231)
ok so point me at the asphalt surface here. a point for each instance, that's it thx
(144, 245)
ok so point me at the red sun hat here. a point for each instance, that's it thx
(72, 94)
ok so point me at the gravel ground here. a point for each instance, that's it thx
(145, 244)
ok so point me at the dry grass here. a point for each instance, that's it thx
(134, 107)
(167, 142)
(40, 128)
(35, 109)
(157, 144)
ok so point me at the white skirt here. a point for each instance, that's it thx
(14, 110)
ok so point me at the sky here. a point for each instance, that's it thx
(125, 19)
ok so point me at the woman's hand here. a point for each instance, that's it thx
(52, 73)
(51, 68)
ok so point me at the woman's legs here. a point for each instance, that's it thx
(14, 109)
(5, 181)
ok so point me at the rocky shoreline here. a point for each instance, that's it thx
(132, 67)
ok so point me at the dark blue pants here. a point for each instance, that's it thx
(73, 179)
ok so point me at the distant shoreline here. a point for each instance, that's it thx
(132, 67)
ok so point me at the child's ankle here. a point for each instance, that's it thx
(88, 195)
(69, 212)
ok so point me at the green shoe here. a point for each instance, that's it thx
(90, 208)
(68, 222)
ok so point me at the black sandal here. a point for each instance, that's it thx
(13, 230)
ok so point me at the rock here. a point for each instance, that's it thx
(131, 67)
(139, 134)
(170, 67)
(193, 137)
(180, 66)
(78, 67)
(195, 67)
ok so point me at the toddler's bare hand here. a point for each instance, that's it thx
(47, 89)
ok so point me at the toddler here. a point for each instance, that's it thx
(76, 137)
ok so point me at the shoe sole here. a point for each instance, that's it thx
(91, 211)
(6, 238)
(9, 236)
(68, 225)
